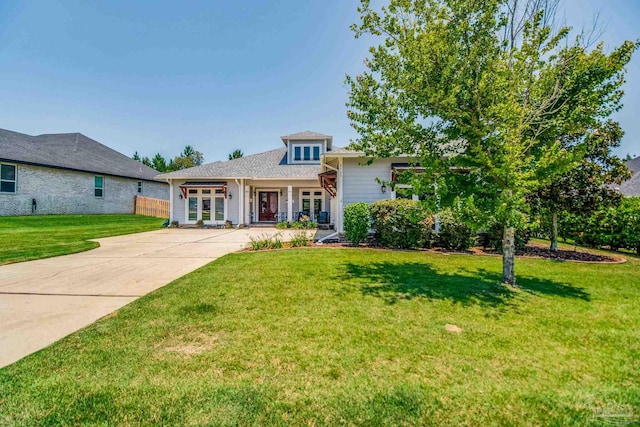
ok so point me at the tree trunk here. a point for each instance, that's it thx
(508, 256)
(554, 231)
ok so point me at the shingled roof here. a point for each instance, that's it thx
(268, 165)
(631, 187)
(305, 136)
(71, 151)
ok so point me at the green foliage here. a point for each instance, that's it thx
(43, 236)
(338, 337)
(356, 222)
(236, 154)
(508, 94)
(187, 159)
(283, 225)
(613, 227)
(493, 234)
(300, 238)
(402, 223)
(266, 241)
(454, 233)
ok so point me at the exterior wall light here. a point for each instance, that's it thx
(383, 188)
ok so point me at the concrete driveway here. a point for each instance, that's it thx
(42, 301)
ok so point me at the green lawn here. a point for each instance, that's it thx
(32, 237)
(349, 337)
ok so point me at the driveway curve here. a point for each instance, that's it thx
(44, 300)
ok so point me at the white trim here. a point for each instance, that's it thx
(289, 202)
(199, 196)
(96, 188)
(313, 197)
(15, 180)
(340, 207)
(170, 201)
(311, 145)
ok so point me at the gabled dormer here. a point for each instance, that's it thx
(306, 148)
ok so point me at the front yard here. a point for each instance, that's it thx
(349, 337)
(32, 237)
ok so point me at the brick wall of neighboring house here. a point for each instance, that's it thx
(59, 191)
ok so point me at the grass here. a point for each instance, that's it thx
(349, 337)
(33, 237)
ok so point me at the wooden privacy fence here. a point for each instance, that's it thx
(151, 207)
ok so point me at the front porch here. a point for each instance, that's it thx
(250, 202)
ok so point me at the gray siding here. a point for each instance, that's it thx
(58, 191)
(359, 180)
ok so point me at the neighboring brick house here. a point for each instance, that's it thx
(69, 174)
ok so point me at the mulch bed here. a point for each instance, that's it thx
(532, 250)
(536, 250)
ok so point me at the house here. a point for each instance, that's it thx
(69, 174)
(631, 187)
(307, 177)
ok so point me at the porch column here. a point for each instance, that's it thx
(241, 202)
(289, 203)
(170, 201)
(247, 211)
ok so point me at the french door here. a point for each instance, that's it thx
(202, 205)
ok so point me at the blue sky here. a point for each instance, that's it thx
(154, 76)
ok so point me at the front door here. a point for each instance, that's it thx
(268, 208)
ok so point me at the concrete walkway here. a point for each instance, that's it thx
(42, 301)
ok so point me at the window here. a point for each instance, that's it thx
(98, 186)
(206, 191)
(139, 187)
(309, 152)
(7, 178)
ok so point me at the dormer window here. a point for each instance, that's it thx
(306, 152)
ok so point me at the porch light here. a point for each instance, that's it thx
(383, 188)
(229, 196)
(180, 195)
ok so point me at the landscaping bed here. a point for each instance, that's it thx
(531, 250)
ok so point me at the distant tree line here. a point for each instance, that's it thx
(187, 159)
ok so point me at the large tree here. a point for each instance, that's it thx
(487, 87)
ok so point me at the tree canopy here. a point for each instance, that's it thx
(236, 154)
(187, 159)
(489, 87)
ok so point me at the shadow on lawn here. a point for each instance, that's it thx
(404, 281)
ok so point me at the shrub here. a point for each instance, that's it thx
(615, 227)
(356, 222)
(199, 223)
(454, 234)
(283, 224)
(402, 223)
(265, 241)
(300, 238)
